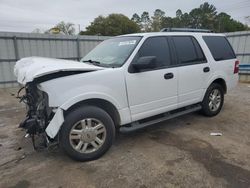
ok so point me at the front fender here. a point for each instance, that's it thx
(105, 84)
(58, 119)
(90, 95)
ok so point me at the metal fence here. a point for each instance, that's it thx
(240, 42)
(14, 46)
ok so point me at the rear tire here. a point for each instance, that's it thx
(213, 100)
(87, 133)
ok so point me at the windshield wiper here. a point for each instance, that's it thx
(97, 63)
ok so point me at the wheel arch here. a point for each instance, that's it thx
(221, 82)
(107, 106)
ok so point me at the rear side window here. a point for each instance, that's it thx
(158, 47)
(188, 50)
(219, 47)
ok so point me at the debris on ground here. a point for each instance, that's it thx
(215, 134)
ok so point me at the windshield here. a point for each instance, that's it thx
(112, 52)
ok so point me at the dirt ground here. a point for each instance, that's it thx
(176, 153)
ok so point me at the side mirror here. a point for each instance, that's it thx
(144, 63)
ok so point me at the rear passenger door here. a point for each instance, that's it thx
(193, 70)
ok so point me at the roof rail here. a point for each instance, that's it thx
(186, 30)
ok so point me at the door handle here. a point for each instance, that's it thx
(168, 76)
(206, 69)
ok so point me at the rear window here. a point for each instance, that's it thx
(219, 47)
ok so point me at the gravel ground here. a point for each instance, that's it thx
(176, 153)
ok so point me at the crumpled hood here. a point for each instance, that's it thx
(27, 69)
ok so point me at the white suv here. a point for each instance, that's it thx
(125, 83)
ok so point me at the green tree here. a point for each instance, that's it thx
(157, 20)
(208, 15)
(224, 23)
(205, 16)
(177, 21)
(146, 22)
(178, 13)
(167, 22)
(195, 18)
(185, 20)
(136, 18)
(114, 24)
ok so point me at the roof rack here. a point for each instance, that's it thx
(186, 30)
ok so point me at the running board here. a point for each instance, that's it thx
(166, 116)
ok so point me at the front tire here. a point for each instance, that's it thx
(213, 100)
(87, 133)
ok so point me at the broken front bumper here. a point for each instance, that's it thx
(55, 124)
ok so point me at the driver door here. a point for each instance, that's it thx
(153, 91)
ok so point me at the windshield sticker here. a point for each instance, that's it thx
(130, 42)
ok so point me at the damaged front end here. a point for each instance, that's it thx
(44, 121)
(38, 116)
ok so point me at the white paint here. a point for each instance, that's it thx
(124, 43)
(27, 69)
(135, 95)
(150, 94)
(55, 123)
(215, 134)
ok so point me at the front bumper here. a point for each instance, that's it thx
(55, 124)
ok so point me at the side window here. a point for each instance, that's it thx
(188, 50)
(200, 54)
(219, 47)
(158, 47)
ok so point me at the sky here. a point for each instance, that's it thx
(27, 15)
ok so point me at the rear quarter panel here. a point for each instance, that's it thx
(219, 69)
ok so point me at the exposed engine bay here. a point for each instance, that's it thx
(38, 115)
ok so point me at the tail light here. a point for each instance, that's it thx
(236, 67)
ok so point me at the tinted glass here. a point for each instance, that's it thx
(188, 50)
(219, 47)
(158, 47)
(113, 52)
(200, 54)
